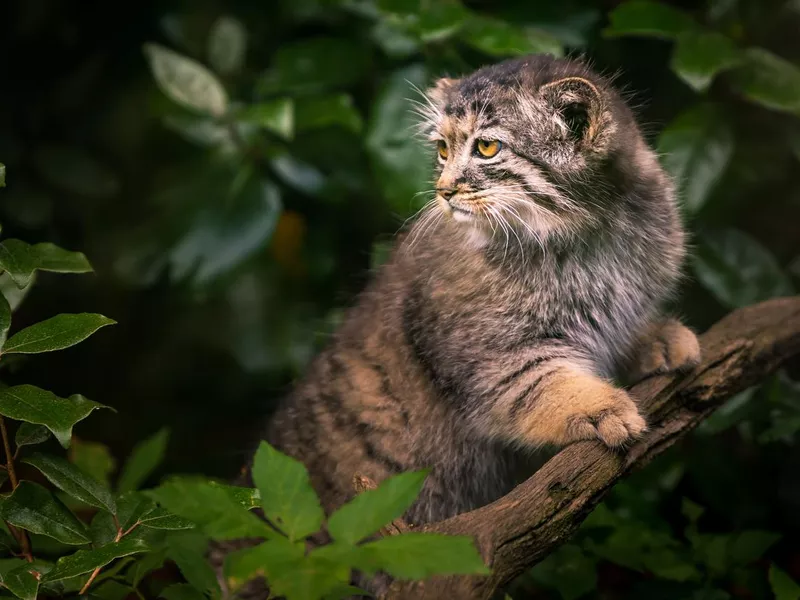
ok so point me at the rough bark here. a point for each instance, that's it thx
(522, 528)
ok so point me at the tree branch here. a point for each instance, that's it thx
(522, 528)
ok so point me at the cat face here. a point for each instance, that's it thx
(528, 145)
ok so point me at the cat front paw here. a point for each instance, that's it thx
(669, 348)
(615, 421)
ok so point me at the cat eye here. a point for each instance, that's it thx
(488, 148)
(442, 148)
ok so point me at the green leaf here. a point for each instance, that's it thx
(783, 586)
(20, 260)
(696, 149)
(181, 591)
(56, 333)
(265, 560)
(569, 570)
(38, 406)
(287, 497)
(768, 80)
(227, 44)
(141, 568)
(17, 259)
(93, 459)
(325, 111)
(315, 64)
(224, 234)
(29, 434)
(748, 546)
(22, 582)
(500, 38)
(421, 555)
(186, 81)
(57, 260)
(737, 269)
(651, 19)
(309, 577)
(66, 476)
(2, 175)
(401, 163)
(276, 116)
(158, 518)
(5, 319)
(33, 508)
(86, 561)
(219, 515)
(188, 551)
(247, 497)
(14, 294)
(369, 511)
(699, 56)
(144, 459)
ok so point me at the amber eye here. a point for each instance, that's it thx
(488, 148)
(442, 147)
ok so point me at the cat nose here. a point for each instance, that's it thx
(446, 192)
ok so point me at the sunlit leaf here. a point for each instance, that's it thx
(265, 560)
(143, 460)
(22, 582)
(227, 44)
(86, 561)
(372, 509)
(17, 259)
(783, 586)
(56, 333)
(211, 507)
(73, 481)
(699, 56)
(500, 38)
(57, 260)
(33, 508)
(287, 497)
(696, 149)
(646, 18)
(276, 116)
(421, 555)
(186, 81)
(737, 269)
(768, 80)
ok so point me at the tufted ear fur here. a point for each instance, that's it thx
(579, 105)
(440, 89)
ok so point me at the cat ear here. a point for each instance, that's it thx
(579, 105)
(440, 89)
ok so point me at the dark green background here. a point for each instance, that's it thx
(222, 293)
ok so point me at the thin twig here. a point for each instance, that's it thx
(20, 535)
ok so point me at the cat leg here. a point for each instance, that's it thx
(559, 401)
(666, 347)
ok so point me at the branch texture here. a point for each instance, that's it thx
(522, 528)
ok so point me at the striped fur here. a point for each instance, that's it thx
(504, 311)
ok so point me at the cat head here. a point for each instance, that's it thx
(538, 144)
